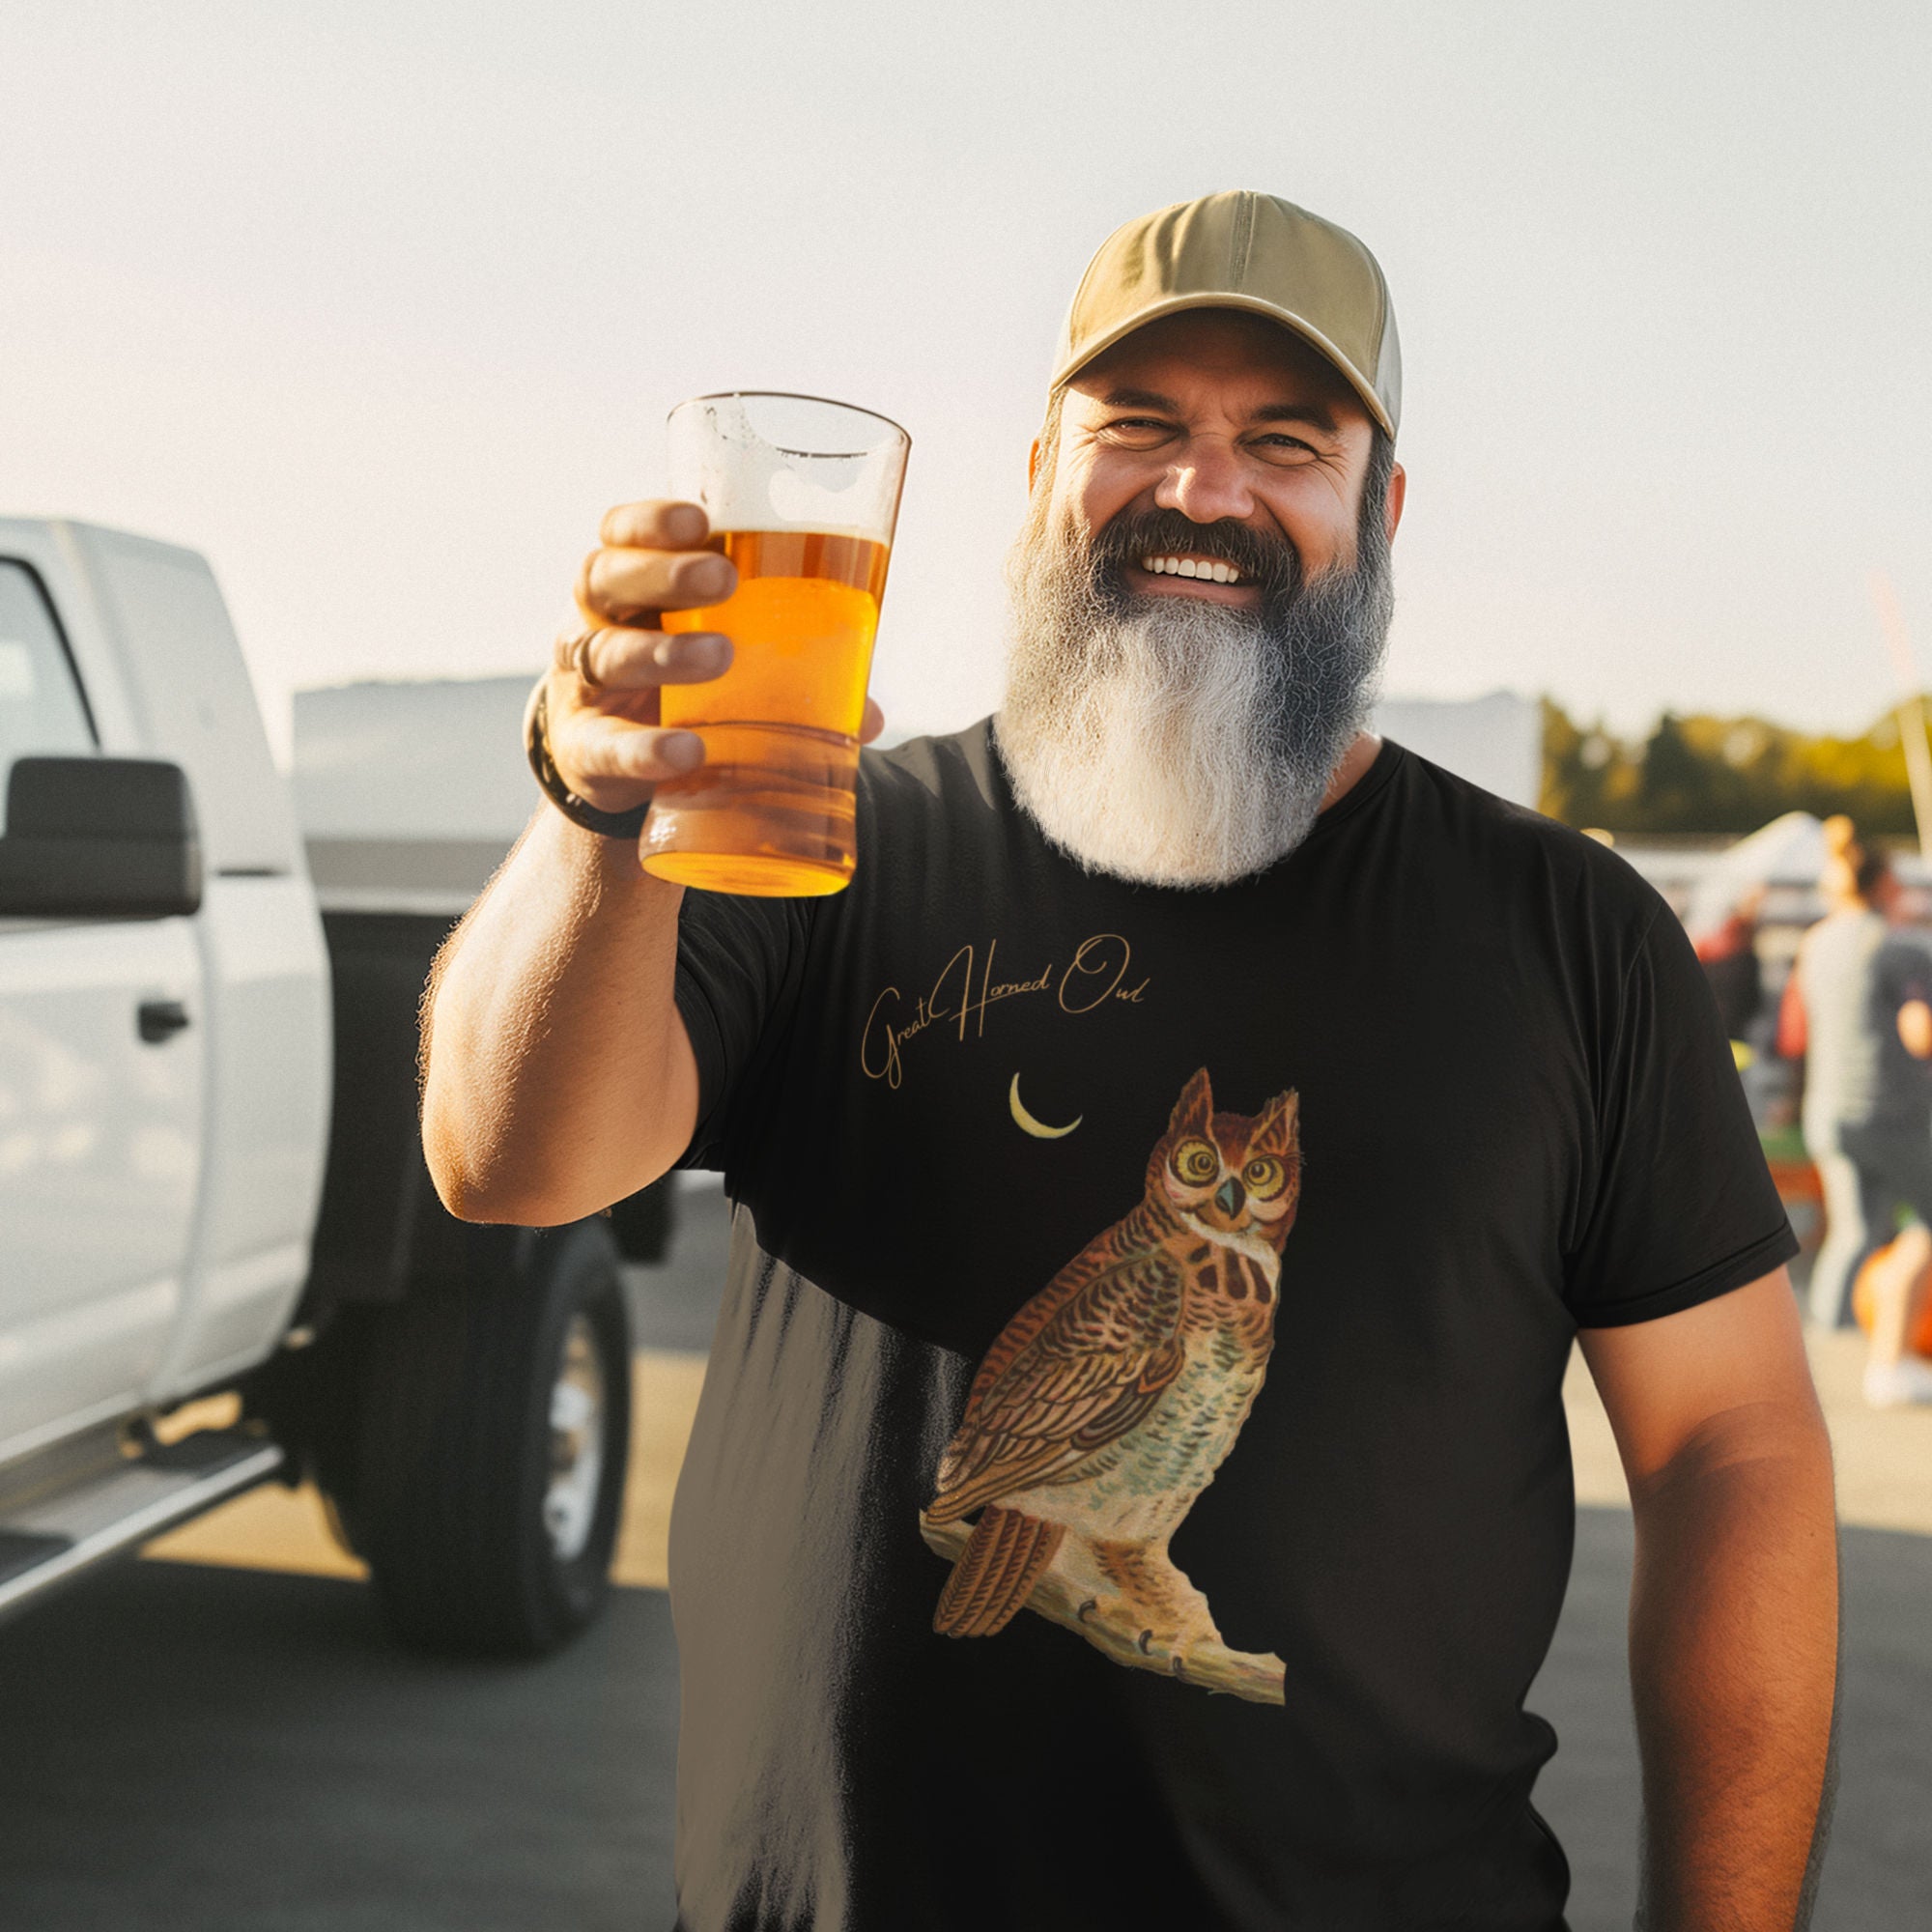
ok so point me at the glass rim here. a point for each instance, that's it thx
(799, 397)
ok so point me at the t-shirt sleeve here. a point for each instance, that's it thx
(1680, 1203)
(1904, 973)
(740, 962)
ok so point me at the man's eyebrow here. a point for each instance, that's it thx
(1301, 412)
(1141, 399)
(1281, 412)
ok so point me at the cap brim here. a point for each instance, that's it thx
(1251, 304)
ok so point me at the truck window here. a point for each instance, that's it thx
(41, 705)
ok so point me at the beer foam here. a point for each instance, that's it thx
(820, 499)
(751, 459)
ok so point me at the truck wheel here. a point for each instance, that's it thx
(490, 1454)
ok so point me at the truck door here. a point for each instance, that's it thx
(101, 1077)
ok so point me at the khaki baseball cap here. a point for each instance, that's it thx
(1245, 251)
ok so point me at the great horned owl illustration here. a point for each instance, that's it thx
(1109, 1401)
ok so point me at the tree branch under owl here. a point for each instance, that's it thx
(1207, 1666)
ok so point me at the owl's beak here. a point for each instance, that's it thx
(1228, 1197)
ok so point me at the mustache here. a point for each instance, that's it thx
(1270, 563)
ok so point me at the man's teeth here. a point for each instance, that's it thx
(1213, 570)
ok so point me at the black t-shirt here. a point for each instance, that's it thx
(1167, 1296)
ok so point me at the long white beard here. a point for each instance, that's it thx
(1177, 742)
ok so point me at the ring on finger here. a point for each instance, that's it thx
(577, 659)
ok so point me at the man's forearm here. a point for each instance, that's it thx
(552, 1083)
(1734, 1619)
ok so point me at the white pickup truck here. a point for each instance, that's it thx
(209, 1174)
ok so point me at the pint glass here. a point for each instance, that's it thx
(802, 494)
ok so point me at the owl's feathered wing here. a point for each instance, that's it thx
(1076, 1368)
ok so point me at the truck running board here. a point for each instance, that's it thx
(59, 1535)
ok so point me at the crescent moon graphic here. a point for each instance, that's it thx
(1037, 1128)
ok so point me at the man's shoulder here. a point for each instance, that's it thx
(958, 769)
(1521, 849)
(1847, 940)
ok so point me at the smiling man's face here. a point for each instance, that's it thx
(1215, 419)
(1201, 597)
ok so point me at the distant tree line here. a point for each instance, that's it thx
(1721, 774)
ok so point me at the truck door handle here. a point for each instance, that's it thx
(159, 1019)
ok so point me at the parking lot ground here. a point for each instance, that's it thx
(198, 1750)
(203, 1749)
(209, 1745)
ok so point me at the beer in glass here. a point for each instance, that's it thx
(803, 496)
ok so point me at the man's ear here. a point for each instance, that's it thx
(1398, 492)
(1033, 466)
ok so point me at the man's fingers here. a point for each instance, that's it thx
(614, 658)
(594, 749)
(873, 723)
(654, 526)
(620, 585)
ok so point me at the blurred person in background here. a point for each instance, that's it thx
(1855, 1009)
(1889, 1294)
(1728, 955)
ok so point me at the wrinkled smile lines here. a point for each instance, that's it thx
(1209, 568)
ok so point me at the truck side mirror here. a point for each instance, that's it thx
(98, 839)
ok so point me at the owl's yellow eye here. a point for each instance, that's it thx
(1196, 1163)
(1264, 1177)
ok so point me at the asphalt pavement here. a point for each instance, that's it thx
(194, 1749)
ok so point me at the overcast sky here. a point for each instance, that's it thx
(379, 304)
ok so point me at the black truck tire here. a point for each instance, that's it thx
(491, 1444)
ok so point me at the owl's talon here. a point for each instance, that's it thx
(1089, 1603)
(1146, 1643)
(1176, 1667)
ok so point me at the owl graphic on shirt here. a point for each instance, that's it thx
(1106, 1404)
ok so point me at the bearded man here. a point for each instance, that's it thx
(1169, 1181)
